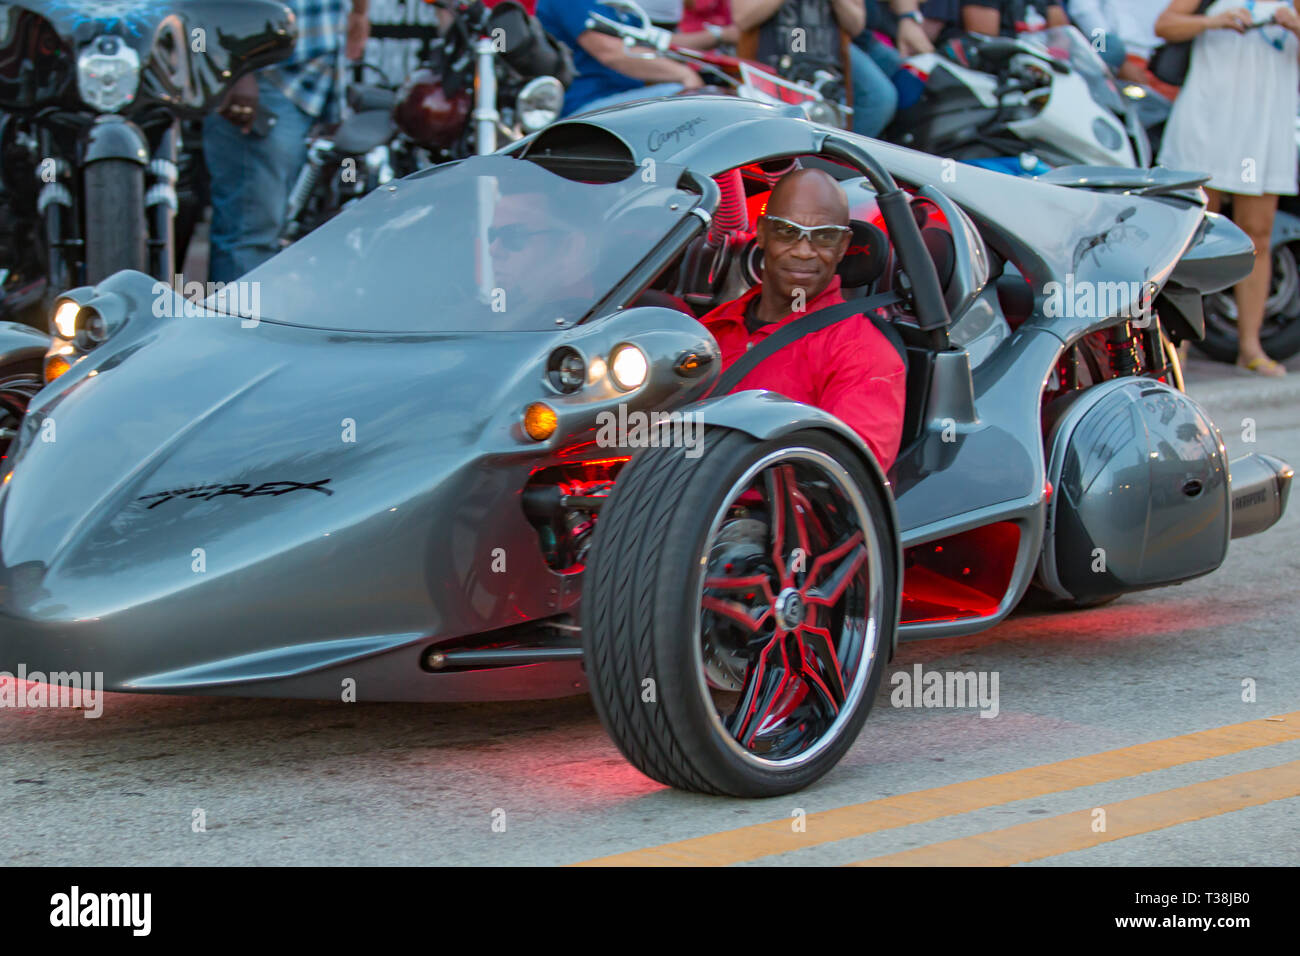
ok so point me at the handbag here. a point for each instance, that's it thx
(1169, 63)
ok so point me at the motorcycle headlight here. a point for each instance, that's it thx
(108, 74)
(539, 103)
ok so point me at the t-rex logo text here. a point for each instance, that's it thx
(208, 492)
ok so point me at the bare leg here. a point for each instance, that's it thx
(1254, 214)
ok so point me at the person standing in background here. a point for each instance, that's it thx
(1127, 29)
(1007, 17)
(1235, 119)
(256, 141)
(872, 63)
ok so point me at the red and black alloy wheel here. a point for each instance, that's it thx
(739, 610)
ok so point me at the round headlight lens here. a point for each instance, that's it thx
(628, 367)
(539, 103)
(566, 371)
(65, 318)
(91, 328)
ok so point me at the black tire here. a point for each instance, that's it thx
(1281, 332)
(647, 615)
(116, 234)
(18, 384)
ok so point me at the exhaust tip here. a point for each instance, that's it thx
(1261, 485)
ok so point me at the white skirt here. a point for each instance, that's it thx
(1235, 118)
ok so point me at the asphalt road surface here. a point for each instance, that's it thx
(1138, 708)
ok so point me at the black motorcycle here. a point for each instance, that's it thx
(492, 76)
(93, 98)
(93, 95)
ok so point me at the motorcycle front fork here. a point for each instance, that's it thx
(55, 206)
(486, 117)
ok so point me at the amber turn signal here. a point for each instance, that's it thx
(540, 421)
(55, 365)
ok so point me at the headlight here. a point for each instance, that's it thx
(566, 371)
(92, 328)
(539, 103)
(628, 367)
(65, 318)
(108, 74)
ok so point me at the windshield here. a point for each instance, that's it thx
(1070, 46)
(490, 244)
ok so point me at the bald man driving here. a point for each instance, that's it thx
(849, 368)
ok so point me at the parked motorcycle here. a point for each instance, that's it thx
(349, 159)
(1045, 96)
(819, 92)
(92, 97)
(496, 77)
(491, 78)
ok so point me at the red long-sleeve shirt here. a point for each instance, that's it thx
(848, 369)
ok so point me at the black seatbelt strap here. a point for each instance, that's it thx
(794, 331)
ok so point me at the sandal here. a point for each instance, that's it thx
(1263, 365)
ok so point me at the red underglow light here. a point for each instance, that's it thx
(964, 578)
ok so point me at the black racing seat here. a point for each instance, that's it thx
(863, 265)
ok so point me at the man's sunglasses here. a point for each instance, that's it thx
(824, 237)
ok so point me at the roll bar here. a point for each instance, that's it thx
(927, 292)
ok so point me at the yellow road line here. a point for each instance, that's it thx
(1053, 836)
(766, 839)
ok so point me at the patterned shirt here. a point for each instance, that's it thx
(313, 73)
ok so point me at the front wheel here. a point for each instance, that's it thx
(116, 234)
(739, 608)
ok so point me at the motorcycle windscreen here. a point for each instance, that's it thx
(1070, 46)
(490, 244)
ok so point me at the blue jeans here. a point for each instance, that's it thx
(875, 98)
(251, 178)
(628, 96)
(1113, 51)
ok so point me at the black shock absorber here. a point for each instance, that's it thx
(1122, 350)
